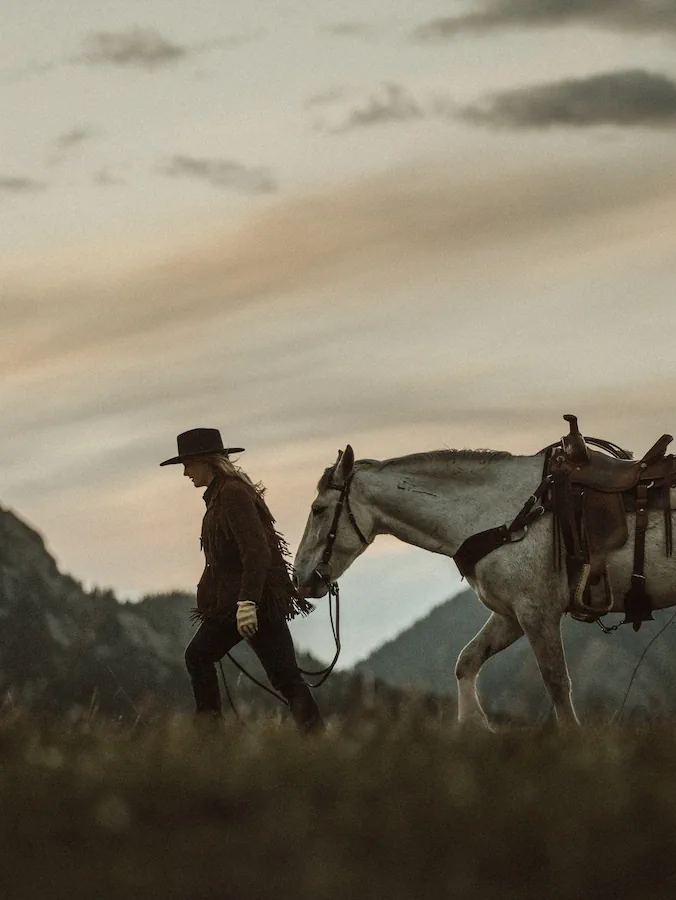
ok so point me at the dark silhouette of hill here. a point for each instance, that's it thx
(67, 650)
(601, 665)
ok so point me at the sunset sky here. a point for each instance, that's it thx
(405, 226)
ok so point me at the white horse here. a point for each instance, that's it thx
(436, 500)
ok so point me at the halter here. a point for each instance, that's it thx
(323, 570)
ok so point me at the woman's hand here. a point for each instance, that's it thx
(247, 618)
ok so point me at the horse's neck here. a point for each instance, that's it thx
(438, 508)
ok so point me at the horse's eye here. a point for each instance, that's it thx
(317, 509)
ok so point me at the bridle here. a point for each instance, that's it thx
(323, 572)
(323, 569)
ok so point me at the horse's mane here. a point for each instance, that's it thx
(480, 455)
(325, 480)
(426, 456)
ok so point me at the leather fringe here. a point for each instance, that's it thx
(294, 604)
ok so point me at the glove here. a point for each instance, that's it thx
(247, 618)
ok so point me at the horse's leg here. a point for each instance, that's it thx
(498, 633)
(542, 627)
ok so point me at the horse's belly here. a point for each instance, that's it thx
(526, 569)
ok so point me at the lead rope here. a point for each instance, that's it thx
(334, 591)
(616, 716)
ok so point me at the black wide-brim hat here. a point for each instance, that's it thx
(200, 442)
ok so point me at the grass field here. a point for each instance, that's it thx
(379, 807)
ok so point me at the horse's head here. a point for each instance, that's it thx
(338, 529)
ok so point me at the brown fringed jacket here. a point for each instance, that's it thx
(245, 556)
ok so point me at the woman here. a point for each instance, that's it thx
(245, 590)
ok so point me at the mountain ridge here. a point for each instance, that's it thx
(601, 666)
(64, 649)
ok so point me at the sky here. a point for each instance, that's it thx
(402, 226)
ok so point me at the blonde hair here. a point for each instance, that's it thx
(222, 465)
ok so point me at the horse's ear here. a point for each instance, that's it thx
(344, 465)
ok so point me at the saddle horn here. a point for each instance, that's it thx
(573, 443)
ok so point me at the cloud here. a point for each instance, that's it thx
(431, 306)
(326, 97)
(630, 98)
(69, 142)
(101, 299)
(234, 40)
(392, 104)
(12, 184)
(626, 15)
(74, 138)
(348, 29)
(147, 48)
(221, 174)
(15, 76)
(142, 47)
(109, 175)
(388, 103)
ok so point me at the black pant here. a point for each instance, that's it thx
(273, 646)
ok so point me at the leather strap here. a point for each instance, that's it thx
(656, 452)
(324, 568)
(478, 545)
(637, 600)
(668, 530)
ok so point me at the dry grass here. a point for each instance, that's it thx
(377, 808)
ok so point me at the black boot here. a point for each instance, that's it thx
(207, 694)
(303, 709)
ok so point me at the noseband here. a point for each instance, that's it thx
(323, 570)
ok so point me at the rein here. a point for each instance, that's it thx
(323, 571)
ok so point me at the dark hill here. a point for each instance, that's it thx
(601, 665)
(67, 650)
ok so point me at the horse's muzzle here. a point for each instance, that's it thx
(317, 585)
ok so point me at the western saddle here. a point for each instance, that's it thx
(591, 493)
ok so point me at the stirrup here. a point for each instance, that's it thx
(581, 616)
(579, 608)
